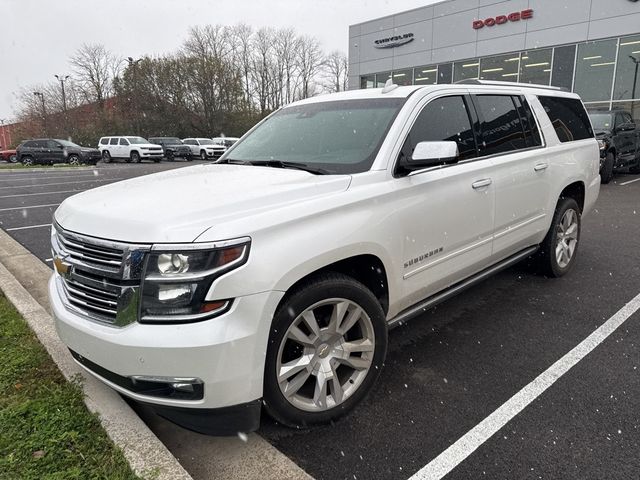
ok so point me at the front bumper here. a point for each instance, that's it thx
(151, 153)
(227, 353)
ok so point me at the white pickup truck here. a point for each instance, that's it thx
(272, 277)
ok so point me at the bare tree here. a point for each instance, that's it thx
(94, 69)
(336, 68)
(309, 59)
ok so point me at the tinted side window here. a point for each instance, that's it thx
(113, 141)
(443, 119)
(568, 118)
(29, 144)
(501, 127)
(123, 141)
(104, 141)
(52, 144)
(39, 143)
(531, 132)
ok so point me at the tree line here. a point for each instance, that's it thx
(220, 81)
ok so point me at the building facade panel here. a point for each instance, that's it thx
(588, 46)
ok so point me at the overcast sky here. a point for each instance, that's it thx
(38, 36)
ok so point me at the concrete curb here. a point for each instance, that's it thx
(146, 454)
(49, 169)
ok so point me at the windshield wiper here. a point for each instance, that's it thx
(278, 164)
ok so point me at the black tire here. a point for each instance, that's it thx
(203, 155)
(170, 156)
(636, 167)
(27, 161)
(326, 287)
(548, 263)
(135, 157)
(106, 156)
(73, 160)
(606, 173)
(13, 158)
(156, 160)
(189, 158)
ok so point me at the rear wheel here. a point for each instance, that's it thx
(558, 251)
(606, 174)
(327, 346)
(135, 157)
(106, 156)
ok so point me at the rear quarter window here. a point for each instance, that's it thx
(104, 141)
(568, 117)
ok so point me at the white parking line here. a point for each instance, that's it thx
(630, 181)
(58, 183)
(40, 193)
(30, 206)
(474, 438)
(28, 227)
(57, 177)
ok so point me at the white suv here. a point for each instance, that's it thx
(273, 277)
(131, 149)
(204, 148)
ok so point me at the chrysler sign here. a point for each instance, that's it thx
(502, 19)
(395, 41)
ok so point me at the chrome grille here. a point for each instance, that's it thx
(91, 254)
(98, 279)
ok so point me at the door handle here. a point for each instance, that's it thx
(481, 183)
(541, 166)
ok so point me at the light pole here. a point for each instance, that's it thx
(44, 111)
(4, 138)
(62, 79)
(635, 82)
(134, 101)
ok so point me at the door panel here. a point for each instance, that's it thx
(447, 213)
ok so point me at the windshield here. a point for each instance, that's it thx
(340, 136)
(137, 140)
(205, 141)
(173, 140)
(601, 121)
(67, 143)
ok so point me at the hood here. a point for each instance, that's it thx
(89, 150)
(179, 205)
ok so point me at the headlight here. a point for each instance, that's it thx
(602, 144)
(177, 279)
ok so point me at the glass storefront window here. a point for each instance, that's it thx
(445, 73)
(465, 70)
(403, 77)
(628, 69)
(503, 68)
(563, 62)
(427, 75)
(536, 67)
(381, 78)
(594, 70)
(368, 81)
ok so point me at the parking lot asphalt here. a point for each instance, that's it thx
(449, 369)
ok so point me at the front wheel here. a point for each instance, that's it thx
(170, 156)
(326, 348)
(203, 155)
(558, 251)
(74, 160)
(135, 157)
(606, 174)
(27, 161)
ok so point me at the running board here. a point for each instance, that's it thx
(459, 287)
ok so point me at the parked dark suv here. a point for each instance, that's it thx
(50, 151)
(172, 147)
(619, 139)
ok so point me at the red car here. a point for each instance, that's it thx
(9, 155)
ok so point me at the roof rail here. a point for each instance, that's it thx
(475, 81)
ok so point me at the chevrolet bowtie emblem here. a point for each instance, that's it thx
(62, 267)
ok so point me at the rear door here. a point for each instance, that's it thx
(446, 213)
(625, 141)
(510, 138)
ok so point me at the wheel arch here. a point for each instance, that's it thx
(575, 190)
(366, 268)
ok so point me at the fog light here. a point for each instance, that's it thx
(183, 387)
(174, 293)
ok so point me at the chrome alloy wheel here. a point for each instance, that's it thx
(325, 355)
(567, 238)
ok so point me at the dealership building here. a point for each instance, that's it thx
(591, 47)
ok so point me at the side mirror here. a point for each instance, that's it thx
(431, 154)
(626, 127)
